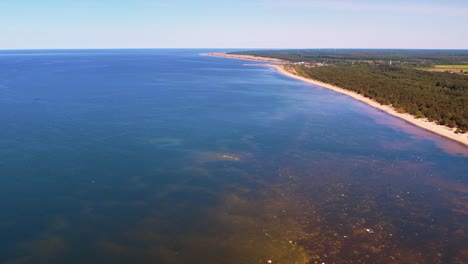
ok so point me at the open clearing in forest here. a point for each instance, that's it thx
(452, 67)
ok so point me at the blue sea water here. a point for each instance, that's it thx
(166, 156)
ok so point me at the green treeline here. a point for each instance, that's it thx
(391, 77)
(438, 96)
(421, 58)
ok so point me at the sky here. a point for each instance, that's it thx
(60, 24)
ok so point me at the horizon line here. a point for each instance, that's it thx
(165, 48)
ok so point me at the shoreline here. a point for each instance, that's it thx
(243, 57)
(422, 123)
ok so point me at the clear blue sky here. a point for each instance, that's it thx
(28, 24)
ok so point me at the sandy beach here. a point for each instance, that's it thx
(281, 67)
(243, 57)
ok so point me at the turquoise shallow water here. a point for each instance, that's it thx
(166, 156)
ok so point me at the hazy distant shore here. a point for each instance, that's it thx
(243, 57)
(282, 67)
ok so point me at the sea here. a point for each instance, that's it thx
(170, 156)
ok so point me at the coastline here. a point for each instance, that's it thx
(422, 123)
(243, 57)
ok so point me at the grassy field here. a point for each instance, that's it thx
(453, 67)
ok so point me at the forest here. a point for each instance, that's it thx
(391, 77)
(350, 56)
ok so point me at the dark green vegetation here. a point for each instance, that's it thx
(349, 56)
(439, 96)
(391, 77)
